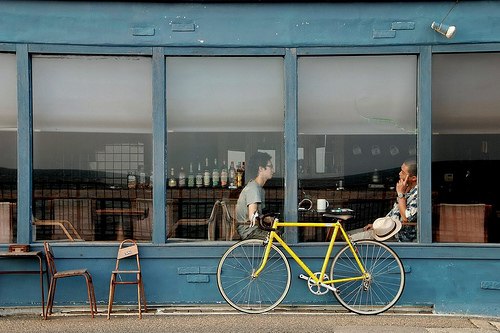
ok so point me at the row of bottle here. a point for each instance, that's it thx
(231, 178)
(140, 180)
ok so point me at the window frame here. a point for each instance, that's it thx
(424, 132)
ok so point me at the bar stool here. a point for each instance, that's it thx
(127, 249)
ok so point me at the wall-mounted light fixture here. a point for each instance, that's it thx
(446, 30)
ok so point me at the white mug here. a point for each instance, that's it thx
(321, 205)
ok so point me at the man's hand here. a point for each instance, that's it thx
(368, 227)
(402, 185)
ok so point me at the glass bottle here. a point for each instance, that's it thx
(239, 176)
(131, 180)
(243, 173)
(232, 175)
(215, 175)
(199, 177)
(223, 175)
(182, 178)
(375, 177)
(142, 177)
(172, 182)
(206, 174)
(191, 176)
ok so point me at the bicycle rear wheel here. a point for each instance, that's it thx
(253, 294)
(383, 286)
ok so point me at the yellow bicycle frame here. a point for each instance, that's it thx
(317, 280)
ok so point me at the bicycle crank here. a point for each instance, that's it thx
(317, 288)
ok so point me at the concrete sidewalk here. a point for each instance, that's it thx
(222, 319)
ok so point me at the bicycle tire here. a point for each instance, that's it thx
(377, 293)
(244, 292)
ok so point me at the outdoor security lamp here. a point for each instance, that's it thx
(446, 30)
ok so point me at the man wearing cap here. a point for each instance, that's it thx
(401, 220)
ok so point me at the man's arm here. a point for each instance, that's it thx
(252, 208)
(408, 206)
(402, 209)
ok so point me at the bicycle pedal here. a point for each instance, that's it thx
(303, 277)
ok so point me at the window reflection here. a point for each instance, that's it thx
(8, 148)
(92, 122)
(357, 125)
(220, 111)
(465, 147)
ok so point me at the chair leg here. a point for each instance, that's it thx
(111, 294)
(50, 297)
(93, 295)
(143, 295)
(139, 299)
(90, 288)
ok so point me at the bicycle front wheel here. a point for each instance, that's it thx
(241, 289)
(382, 286)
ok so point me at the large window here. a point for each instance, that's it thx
(220, 111)
(465, 147)
(8, 147)
(92, 147)
(357, 125)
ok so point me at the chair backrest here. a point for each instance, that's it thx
(462, 223)
(5, 222)
(128, 248)
(49, 256)
(229, 219)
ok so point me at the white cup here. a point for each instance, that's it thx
(321, 205)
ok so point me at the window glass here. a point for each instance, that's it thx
(220, 112)
(92, 147)
(465, 147)
(8, 148)
(357, 126)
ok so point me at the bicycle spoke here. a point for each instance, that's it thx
(246, 292)
(383, 285)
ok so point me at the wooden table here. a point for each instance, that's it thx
(27, 255)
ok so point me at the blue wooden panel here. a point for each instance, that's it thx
(172, 274)
(403, 49)
(226, 51)
(291, 142)
(143, 31)
(24, 145)
(80, 49)
(277, 24)
(7, 47)
(455, 278)
(159, 147)
(424, 144)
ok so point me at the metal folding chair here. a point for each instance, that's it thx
(128, 249)
(55, 275)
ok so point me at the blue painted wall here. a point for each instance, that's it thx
(456, 278)
(245, 25)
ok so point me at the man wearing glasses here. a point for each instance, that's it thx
(252, 198)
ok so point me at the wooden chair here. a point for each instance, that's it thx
(142, 225)
(67, 228)
(55, 275)
(464, 223)
(225, 224)
(128, 249)
(6, 222)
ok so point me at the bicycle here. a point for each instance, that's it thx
(366, 277)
